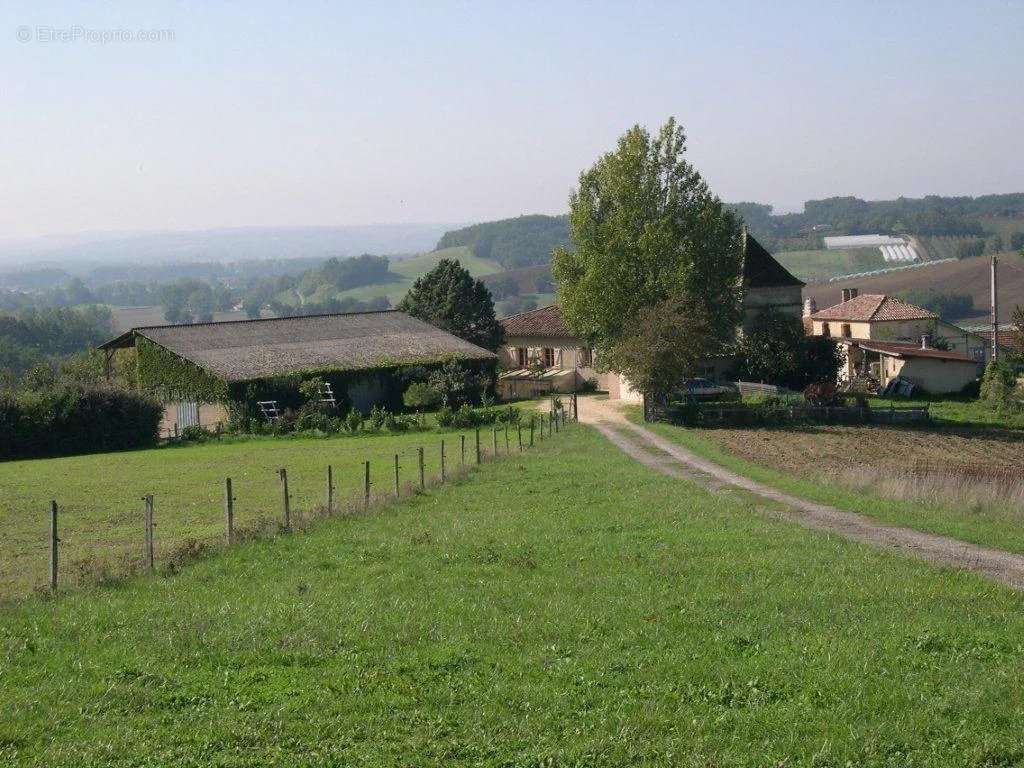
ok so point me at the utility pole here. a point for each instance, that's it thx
(995, 311)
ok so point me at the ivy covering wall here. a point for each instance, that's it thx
(171, 377)
(165, 374)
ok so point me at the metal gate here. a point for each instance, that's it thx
(188, 415)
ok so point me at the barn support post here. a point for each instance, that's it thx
(148, 552)
(330, 490)
(53, 546)
(229, 512)
(286, 504)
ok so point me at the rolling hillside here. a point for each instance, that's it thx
(970, 276)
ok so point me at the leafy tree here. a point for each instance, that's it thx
(449, 298)
(503, 287)
(666, 343)
(652, 244)
(775, 349)
(970, 248)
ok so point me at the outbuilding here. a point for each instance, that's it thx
(206, 370)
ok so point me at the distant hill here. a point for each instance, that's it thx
(236, 244)
(969, 276)
(524, 241)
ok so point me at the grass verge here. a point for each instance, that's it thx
(990, 528)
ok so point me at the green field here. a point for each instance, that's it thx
(568, 608)
(821, 265)
(101, 510)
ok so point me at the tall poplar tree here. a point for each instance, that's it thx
(650, 241)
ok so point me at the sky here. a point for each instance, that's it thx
(309, 113)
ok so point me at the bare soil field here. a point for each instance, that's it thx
(809, 451)
(970, 276)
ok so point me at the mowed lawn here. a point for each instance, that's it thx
(567, 608)
(101, 508)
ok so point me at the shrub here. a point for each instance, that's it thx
(72, 420)
(421, 396)
(195, 434)
(998, 385)
(313, 417)
(353, 421)
(823, 393)
(378, 417)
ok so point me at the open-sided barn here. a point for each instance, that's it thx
(366, 358)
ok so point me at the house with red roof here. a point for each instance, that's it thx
(887, 338)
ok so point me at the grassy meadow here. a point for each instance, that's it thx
(567, 608)
(101, 511)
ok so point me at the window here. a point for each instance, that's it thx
(825, 330)
(586, 357)
(522, 357)
(549, 357)
(846, 330)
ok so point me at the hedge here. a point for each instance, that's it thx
(69, 421)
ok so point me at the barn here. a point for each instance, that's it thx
(208, 371)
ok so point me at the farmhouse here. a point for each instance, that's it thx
(887, 338)
(541, 355)
(365, 358)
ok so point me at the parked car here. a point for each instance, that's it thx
(705, 389)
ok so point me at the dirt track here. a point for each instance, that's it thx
(675, 461)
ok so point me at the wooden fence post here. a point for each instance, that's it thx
(148, 553)
(494, 439)
(396, 476)
(575, 408)
(286, 505)
(366, 484)
(53, 546)
(506, 438)
(330, 490)
(462, 442)
(229, 512)
(478, 445)
(442, 461)
(419, 453)
(531, 430)
(519, 429)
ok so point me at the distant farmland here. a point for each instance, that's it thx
(970, 276)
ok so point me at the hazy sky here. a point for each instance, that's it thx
(325, 113)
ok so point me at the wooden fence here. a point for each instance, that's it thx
(506, 439)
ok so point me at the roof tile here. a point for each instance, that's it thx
(870, 307)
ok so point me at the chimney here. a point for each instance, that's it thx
(926, 341)
(810, 307)
(849, 293)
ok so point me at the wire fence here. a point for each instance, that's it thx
(170, 533)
